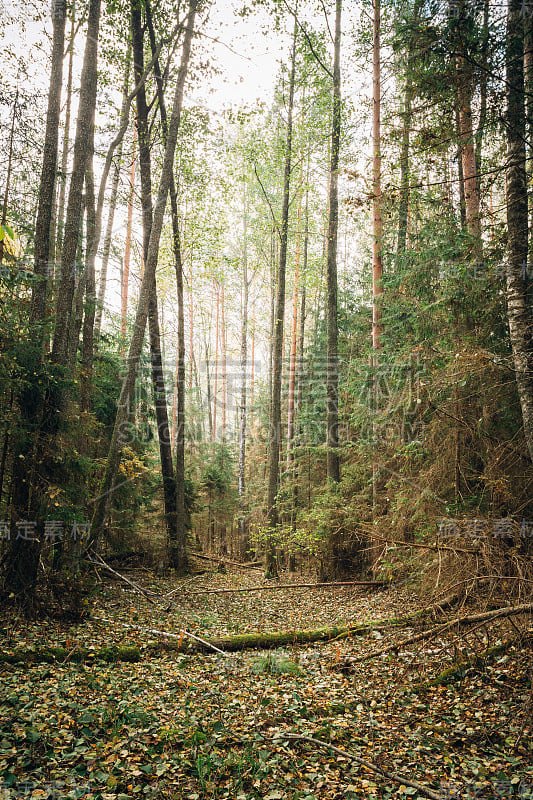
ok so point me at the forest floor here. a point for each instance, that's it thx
(202, 725)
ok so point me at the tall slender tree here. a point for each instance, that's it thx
(118, 438)
(277, 341)
(518, 309)
(332, 388)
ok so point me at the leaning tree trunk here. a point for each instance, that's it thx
(119, 436)
(277, 345)
(124, 118)
(518, 312)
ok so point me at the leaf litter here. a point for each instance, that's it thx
(208, 726)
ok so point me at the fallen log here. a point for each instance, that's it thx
(201, 590)
(252, 641)
(488, 616)
(57, 655)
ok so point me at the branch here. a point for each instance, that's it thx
(288, 586)
(308, 40)
(499, 613)
(268, 200)
(392, 776)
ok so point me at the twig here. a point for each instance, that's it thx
(392, 776)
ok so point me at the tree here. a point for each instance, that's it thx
(118, 438)
(332, 440)
(518, 309)
(277, 341)
(85, 121)
(21, 560)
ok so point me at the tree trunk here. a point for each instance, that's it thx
(277, 344)
(294, 331)
(467, 139)
(377, 267)
(215, 390)
(21, 559)
(121, 420)
(243, 527)
(333, 462)
(87, 104)
(66, 138)
(124, 116)
(8, 175)
(518, 311)
(127, 250)
(158, 380)
(405, 177)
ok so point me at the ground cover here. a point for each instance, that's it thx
(207, 725)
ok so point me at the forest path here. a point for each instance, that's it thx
(207, 726)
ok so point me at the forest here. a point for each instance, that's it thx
(266, 399)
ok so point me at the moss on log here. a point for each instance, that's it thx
(54, 655)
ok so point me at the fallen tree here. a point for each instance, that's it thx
(201, 590)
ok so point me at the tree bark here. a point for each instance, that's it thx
(87, 104)
(377, 245)
(66, 137)
(243, 528)
(127, 249)
(519, 313)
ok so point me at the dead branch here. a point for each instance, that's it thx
(244, 565)
(154, 632)
(392, 776)
(102, 564)
(499, 613)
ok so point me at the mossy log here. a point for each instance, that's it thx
(56, 655)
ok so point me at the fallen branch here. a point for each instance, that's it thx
(99, 562)
(499, 613)
(385, 773)
(242, 564)
(274, 588)
(180, 636)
